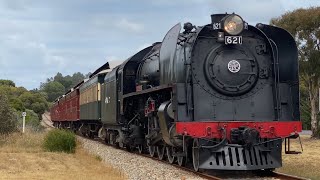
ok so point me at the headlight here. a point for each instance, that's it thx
(233, 24)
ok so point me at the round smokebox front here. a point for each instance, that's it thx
(231, 71)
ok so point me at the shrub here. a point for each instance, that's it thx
(60, 141)
(8, 122)
(32, 120)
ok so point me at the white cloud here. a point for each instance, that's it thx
(54, 60)
(129, 25)
(40, 38)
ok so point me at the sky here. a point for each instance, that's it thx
(39, 38)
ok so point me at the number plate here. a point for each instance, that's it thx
(233, 39)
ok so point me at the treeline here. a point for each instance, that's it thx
(59, 84)
(38, 100)
(304, 26)
(21, 99)
(15, 100)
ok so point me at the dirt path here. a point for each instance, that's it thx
(46, 120)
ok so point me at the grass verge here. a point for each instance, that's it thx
(22, 157)
(306, 164)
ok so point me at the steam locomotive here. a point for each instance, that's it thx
(219, 96)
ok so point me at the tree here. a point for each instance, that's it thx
(17, 104)
(77, 78)
(304, 25)
(305, 108)
(66, 81)
(54, 89)
(58, 77)
(20, 99)
(88, 75)
(39, 108)
(8, 123)
(33, 101)
(7, 83)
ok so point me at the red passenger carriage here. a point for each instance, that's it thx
(66, 108)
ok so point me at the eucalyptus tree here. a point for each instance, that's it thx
(304, 25)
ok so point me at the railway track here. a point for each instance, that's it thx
(216, 174)
(212, 175)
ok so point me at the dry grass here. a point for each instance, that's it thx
(22, 157)
(306, 164)
(18, 142)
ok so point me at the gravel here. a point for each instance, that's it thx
(134, 166)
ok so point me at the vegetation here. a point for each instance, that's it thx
(60, 141)
(30, 142)
(23, 157)
(8, 123)
(304, 25)
(7, 83)
(59, 84)
(54, 90)
(15, 100)
(305, 164)
(21, 99)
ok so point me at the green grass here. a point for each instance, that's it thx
(60, 141)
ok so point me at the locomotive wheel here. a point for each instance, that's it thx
(140, 148)
(195, 154)
(152, 150)
(160, 151)
(170, 154)
(106, 140)
(182, 159)
(128, 148)
(152, 124)
(91, 135)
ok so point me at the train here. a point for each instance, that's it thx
(222, 96)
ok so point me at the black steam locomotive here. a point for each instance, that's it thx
(219, 96)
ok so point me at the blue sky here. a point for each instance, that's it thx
(39, 38)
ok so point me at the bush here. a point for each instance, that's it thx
(60, 141)
(32, 120)
(8, 122)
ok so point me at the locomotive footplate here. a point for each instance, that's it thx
(235, 157)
